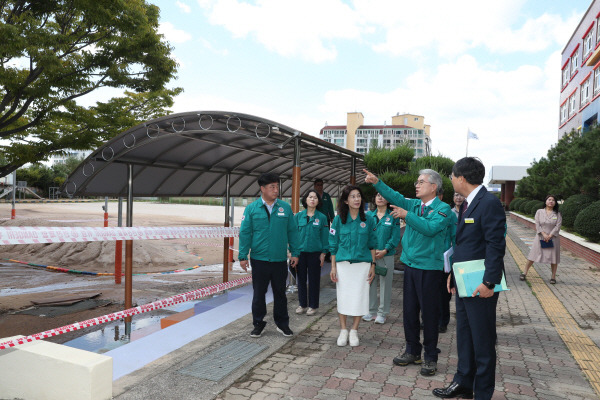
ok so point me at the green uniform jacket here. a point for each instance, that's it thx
(387, 231)
(268, 236)
(451, 230)
(314, 233)
(423, 242)
(354, 240)
(326, 207)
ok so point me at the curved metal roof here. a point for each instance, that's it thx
(189, 154)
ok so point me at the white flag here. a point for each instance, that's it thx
(472, 135)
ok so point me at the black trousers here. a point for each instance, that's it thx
(476, 344)
(422, 292)
(275, 273)
(309, 266)
(445, 302)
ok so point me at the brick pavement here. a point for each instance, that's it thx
(533, 361)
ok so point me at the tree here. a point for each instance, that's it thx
(53, 52)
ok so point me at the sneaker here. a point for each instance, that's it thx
(311, 311)
(300, 310)
(343, 338)
(285, 331)
(257, 331)
(368, 318)
(354, 338)
(429, 368)
(380, 319)
(407, 358)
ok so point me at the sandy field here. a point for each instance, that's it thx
(22, 284)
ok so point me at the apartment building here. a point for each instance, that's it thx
(580, 75)
(356, 136)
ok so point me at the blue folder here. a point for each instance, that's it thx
(469, 274)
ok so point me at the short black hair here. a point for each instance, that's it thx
(308, 192)
(318, 180)
(267, 178)
(471, 168)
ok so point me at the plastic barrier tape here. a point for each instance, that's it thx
(28, 235)
(169, 301)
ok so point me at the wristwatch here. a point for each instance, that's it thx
(489, 285)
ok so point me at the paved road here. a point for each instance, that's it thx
(548, 336)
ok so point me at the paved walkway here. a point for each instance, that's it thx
(548, 336)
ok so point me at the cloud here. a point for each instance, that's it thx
(184, 7)
(314, 29)
(208, 45)
(290, 28)
(514, 113)
(173, 34)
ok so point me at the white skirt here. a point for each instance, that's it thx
(352, 288)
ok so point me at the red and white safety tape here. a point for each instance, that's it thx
(29, 235)
(169, 301)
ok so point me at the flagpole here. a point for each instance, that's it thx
(467, 153)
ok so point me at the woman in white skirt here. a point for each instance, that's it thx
(352, 243)
(547, 225)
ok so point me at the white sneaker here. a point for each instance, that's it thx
(354, 338)
(380, 319)
(343, 338)
(368, 318)
(311, 311)
(300, 310)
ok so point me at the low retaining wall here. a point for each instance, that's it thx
(582, 248)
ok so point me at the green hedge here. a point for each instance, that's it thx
(573, 206)
(533, 206)
(524, 207)
(514, 205)
(587, 222)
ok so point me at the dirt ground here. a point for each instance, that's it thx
(21, 284)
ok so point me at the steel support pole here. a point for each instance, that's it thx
(13, 212)
(119, 245)
(226, 224)
(296, 177)
(129, 250)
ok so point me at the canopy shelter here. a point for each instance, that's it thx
(208, 153)
(507, 177)
(189, 154)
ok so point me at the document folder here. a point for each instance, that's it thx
(469, 274)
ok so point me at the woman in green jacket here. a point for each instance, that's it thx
(314, 241)
(388, 236)
(352, 243)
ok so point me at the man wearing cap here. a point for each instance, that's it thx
(268, 229)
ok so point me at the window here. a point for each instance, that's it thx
(361, 142)
(596, 80)
(588, 43)
(573, 103)
(339, 142)
(585, 92)
(575, 60)
(564, 112)
(566, 75)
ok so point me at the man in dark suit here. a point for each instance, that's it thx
(479, 235)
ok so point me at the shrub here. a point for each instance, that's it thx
(514, 205)
(572, 206)
(587, 222)
(524, 206)
(533, 206)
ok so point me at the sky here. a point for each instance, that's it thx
(491, 67)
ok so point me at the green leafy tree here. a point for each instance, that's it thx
(54, 52)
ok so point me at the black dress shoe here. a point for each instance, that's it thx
(454, 391)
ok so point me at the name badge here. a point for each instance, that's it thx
(281, 214)
(387, 223)
(316, 223)
(469, 221)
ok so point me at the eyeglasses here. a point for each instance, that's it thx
(420, 183)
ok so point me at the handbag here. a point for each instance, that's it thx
(546, 245)
(380, 270)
